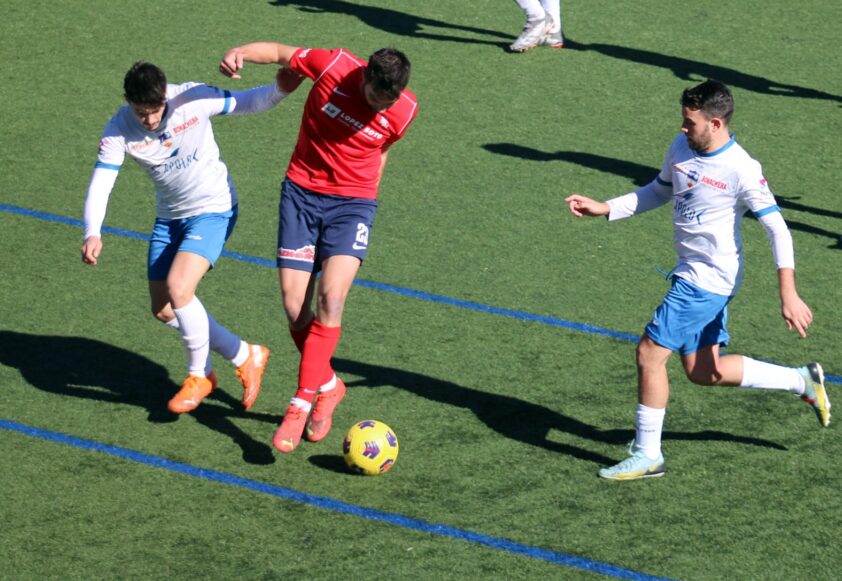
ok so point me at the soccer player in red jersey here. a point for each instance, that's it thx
(354, 112)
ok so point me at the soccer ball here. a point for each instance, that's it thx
(370, 447)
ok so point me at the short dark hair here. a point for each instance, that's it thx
(145, 84)
(388, 72)
(713, 98)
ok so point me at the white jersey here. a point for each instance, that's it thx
(181, 156)
(710, 193)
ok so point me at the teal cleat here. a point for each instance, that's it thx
(815, 393)
(638, 465)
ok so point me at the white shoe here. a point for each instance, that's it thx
(553, 39)
(532, 34)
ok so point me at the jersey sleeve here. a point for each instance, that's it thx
(210, 101)
(254, 100)
(112, 148)
(406, 121)
(112, 153)
(780, 238)
(96, 201)
(754, 191)
(205, 98)
(312, 62)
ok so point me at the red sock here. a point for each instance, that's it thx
(316, 352)
(299, 336)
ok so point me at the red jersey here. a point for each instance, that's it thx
(341, 138)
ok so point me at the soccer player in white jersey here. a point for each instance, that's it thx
(711, 182)
(166, 129)
(543, 25)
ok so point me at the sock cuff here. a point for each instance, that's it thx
(191, 305)
(324, 331)
(302, 404)
(651, 412)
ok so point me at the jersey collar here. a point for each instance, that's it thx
(722, 149)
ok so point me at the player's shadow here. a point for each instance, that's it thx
(697, 71)
(515, 418)
(90, 369)
(640, 175)
(397, 22)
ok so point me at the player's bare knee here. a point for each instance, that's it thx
(295, 312)
(179, 292)
(331, 305)
(703, 375)
(161, 314)
(645, 358)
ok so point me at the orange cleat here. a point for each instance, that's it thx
(250, 373)
(192, 392)
(320, 420)
(288, 435)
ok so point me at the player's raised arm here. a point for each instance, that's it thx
(287, 80)
(260, 53)
(583, 206)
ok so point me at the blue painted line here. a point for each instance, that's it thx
(333, 505)
(69, 221)
(519, 315)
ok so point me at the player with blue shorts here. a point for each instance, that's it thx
(711, 182)
(166, 129)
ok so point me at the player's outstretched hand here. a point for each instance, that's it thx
(584, 206)
(91, 249)
(796, 313)
(232, 62)
(288, 80)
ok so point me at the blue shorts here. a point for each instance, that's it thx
(313, 227)
(689, 318)
(204, 234)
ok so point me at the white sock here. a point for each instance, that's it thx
(194, 327)
(553, 8)
(329, 385)
(208, 367)
(243, 353)
(301, 404)
(533, 9)
(762, 375)
(650, 424)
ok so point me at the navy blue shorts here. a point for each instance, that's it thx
(313, 227)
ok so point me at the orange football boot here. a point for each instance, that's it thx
(192, 392)
(320, 420)
(288, 435)
(250, 373)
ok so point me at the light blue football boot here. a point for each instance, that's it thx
(635, 466)
(815, 393)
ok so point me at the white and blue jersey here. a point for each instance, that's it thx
(181, 156)
(710, 193)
